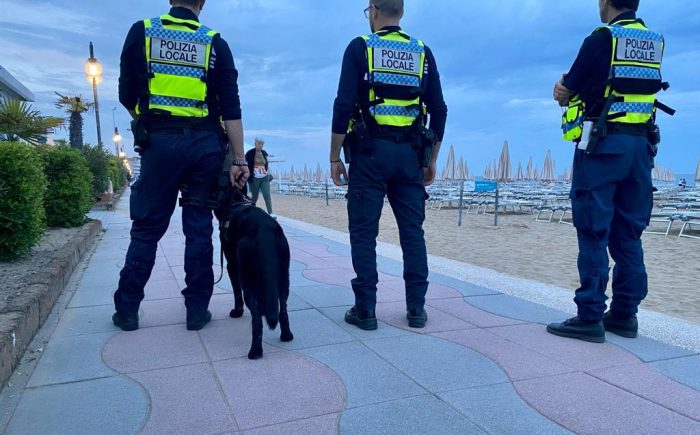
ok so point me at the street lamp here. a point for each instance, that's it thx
(117, 138)
(93, 72)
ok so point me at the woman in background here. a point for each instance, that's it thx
(259, 168)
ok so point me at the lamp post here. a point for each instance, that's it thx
(93, 72)
(117, 138)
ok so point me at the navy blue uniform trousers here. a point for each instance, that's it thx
(391, 170)
(174, 158)
(612, 200)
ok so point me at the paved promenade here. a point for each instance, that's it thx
(483, 364)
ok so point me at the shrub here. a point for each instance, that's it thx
(22, 189)
(117, 173)
(98, 163)
(69, 194)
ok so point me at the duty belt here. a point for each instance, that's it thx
(630, 129)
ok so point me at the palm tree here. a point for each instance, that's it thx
(18, 121)
(74, 106)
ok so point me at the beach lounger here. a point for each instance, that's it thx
(688, 222)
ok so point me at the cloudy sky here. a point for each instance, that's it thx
(498, 62)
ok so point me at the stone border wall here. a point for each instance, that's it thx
(27, 313)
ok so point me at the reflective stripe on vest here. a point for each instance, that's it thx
(177, 54)
(635, 72)
(396, 65)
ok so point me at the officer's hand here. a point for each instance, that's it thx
(429, 173)
(239, 176)
(339, 174)
(561, 94)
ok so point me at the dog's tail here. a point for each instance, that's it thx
(271, 291)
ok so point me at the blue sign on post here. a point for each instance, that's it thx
(485, 186)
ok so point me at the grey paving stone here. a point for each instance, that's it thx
(416, 415)
(462, 310)
(162, 312)
(339, 277)
(390, 267)
(326, 295)
(323, 425)
(106, 406)
(642, 380)
(578, 354)
(163, 289)
(584, 404)
(310, 329)
(185, 400)
(279, 388)
(296, 266)
(99, 279)
(368, 379)
(337, 248)
(647, 349)
(394, 313)
(92, 296)
(71, 359)
(517, 361)
(337, 316)
(153, 348)
(436, 364)
(230, 338)
(435, 291)
(87, 320)
(297, 279)
(341, 262)
(499, 409)
(684, 370)
(466, 288)
(515, 308)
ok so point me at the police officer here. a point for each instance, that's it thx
(178, 80)
(389, 80)
(611, 96)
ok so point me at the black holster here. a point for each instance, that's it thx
(142, 138)
(363, 137)
(427, 140)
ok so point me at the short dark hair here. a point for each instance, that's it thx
(625, 4)
(389, 8)
(193, 3)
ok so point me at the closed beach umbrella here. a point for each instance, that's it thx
(536, 173)
(548, 172)
(450, 165)
(460, 172)
(467, 175)
(520, 176)
(292, 173)
(528, 171)
(505, 172)
(697, 172)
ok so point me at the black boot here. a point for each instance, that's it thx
(126, 322)
(416, 317)
(363, 319)
(197, 320)
(593, 332)
(620, 324)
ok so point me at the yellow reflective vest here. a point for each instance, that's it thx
(633, 82)
(396, 64)
(177, 55)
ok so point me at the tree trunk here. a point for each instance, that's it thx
(76, 130)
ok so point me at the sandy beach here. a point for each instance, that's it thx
(521, 247)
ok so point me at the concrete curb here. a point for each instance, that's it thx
(26, 313)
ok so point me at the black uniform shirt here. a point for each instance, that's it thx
(354, 85)
(588, 76)
(222, 99)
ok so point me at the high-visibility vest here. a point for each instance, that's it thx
(396, 64)
(177, 56)
(633, 81)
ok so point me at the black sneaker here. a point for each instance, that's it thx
(197, 320)
(126, 322)
(416, 317)
(622, 325)
(363, 319)
(593, 332)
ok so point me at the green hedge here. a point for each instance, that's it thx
(22, 189)
(117, 173)
(98, 161)
(69, 194)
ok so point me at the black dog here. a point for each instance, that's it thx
(257, 257)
